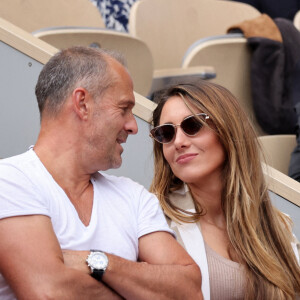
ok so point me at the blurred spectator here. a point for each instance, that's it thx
(275, 71)
(294, 169)
(115, 13)
(275, 8)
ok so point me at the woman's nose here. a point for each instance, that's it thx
(181, 139)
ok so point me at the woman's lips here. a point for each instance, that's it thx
(182, 159)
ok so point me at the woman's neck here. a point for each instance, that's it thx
(210, 199)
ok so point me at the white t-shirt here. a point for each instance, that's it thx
(123, 210)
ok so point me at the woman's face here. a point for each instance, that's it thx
(193, 159)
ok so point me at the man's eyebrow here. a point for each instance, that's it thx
(128, 102)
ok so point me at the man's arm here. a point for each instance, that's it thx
(166, 271)
(32, 263)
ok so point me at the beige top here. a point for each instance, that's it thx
(227, 278)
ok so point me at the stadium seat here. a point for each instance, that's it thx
(169, 27)
(230, 56)
(136, 52)
(296, 20)
(174, 25)
(32, 15)
(277, 150)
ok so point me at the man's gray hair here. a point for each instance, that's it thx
(66, 69)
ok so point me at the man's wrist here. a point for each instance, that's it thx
(97, 261)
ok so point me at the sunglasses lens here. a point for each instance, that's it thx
(164, 134)
(191, 125)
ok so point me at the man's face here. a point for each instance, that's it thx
(112, 120)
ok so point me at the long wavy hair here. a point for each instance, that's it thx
(259, 233)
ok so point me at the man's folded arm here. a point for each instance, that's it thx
(32, 263)
(165, 270)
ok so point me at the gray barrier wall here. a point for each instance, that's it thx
(19, 117)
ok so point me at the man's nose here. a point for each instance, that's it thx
(131, 125)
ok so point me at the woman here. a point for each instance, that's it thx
(209, 181)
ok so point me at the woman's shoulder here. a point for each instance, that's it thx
(182, 198)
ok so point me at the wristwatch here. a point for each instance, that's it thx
(98, 262)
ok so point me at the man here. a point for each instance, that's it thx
(52, 197)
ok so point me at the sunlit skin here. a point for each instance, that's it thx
(196, 160)
(113, 120)
(89, 132)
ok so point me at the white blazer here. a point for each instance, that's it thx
(190, 237)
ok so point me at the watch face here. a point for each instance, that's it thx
(98, 260)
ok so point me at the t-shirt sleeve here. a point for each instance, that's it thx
(151, 217)
(18, 194)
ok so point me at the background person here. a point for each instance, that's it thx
(275, 9)
(115, 13)
(294, 166)
(52, 197)
(209, 181)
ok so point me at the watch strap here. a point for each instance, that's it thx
(97, 274)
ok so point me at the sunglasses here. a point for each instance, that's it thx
(191, 125)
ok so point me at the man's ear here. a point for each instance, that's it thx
(80, 100)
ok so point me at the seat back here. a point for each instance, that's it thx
(169, 27)
(136, 52)
(32, 15)
(277, 150)
(230, 56)
(296, 20)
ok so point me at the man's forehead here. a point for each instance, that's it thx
(118, 95)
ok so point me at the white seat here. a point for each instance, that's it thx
(173, 25)
(296, 20)
(277, 150)
(32, 15)
(137, 53)
(230, 56)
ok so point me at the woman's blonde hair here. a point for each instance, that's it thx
(257, 231)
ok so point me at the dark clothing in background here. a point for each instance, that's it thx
(275, 72)
(279, 63)
(294, 168)
(275, 8)
(275, 78)
(115, 13)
